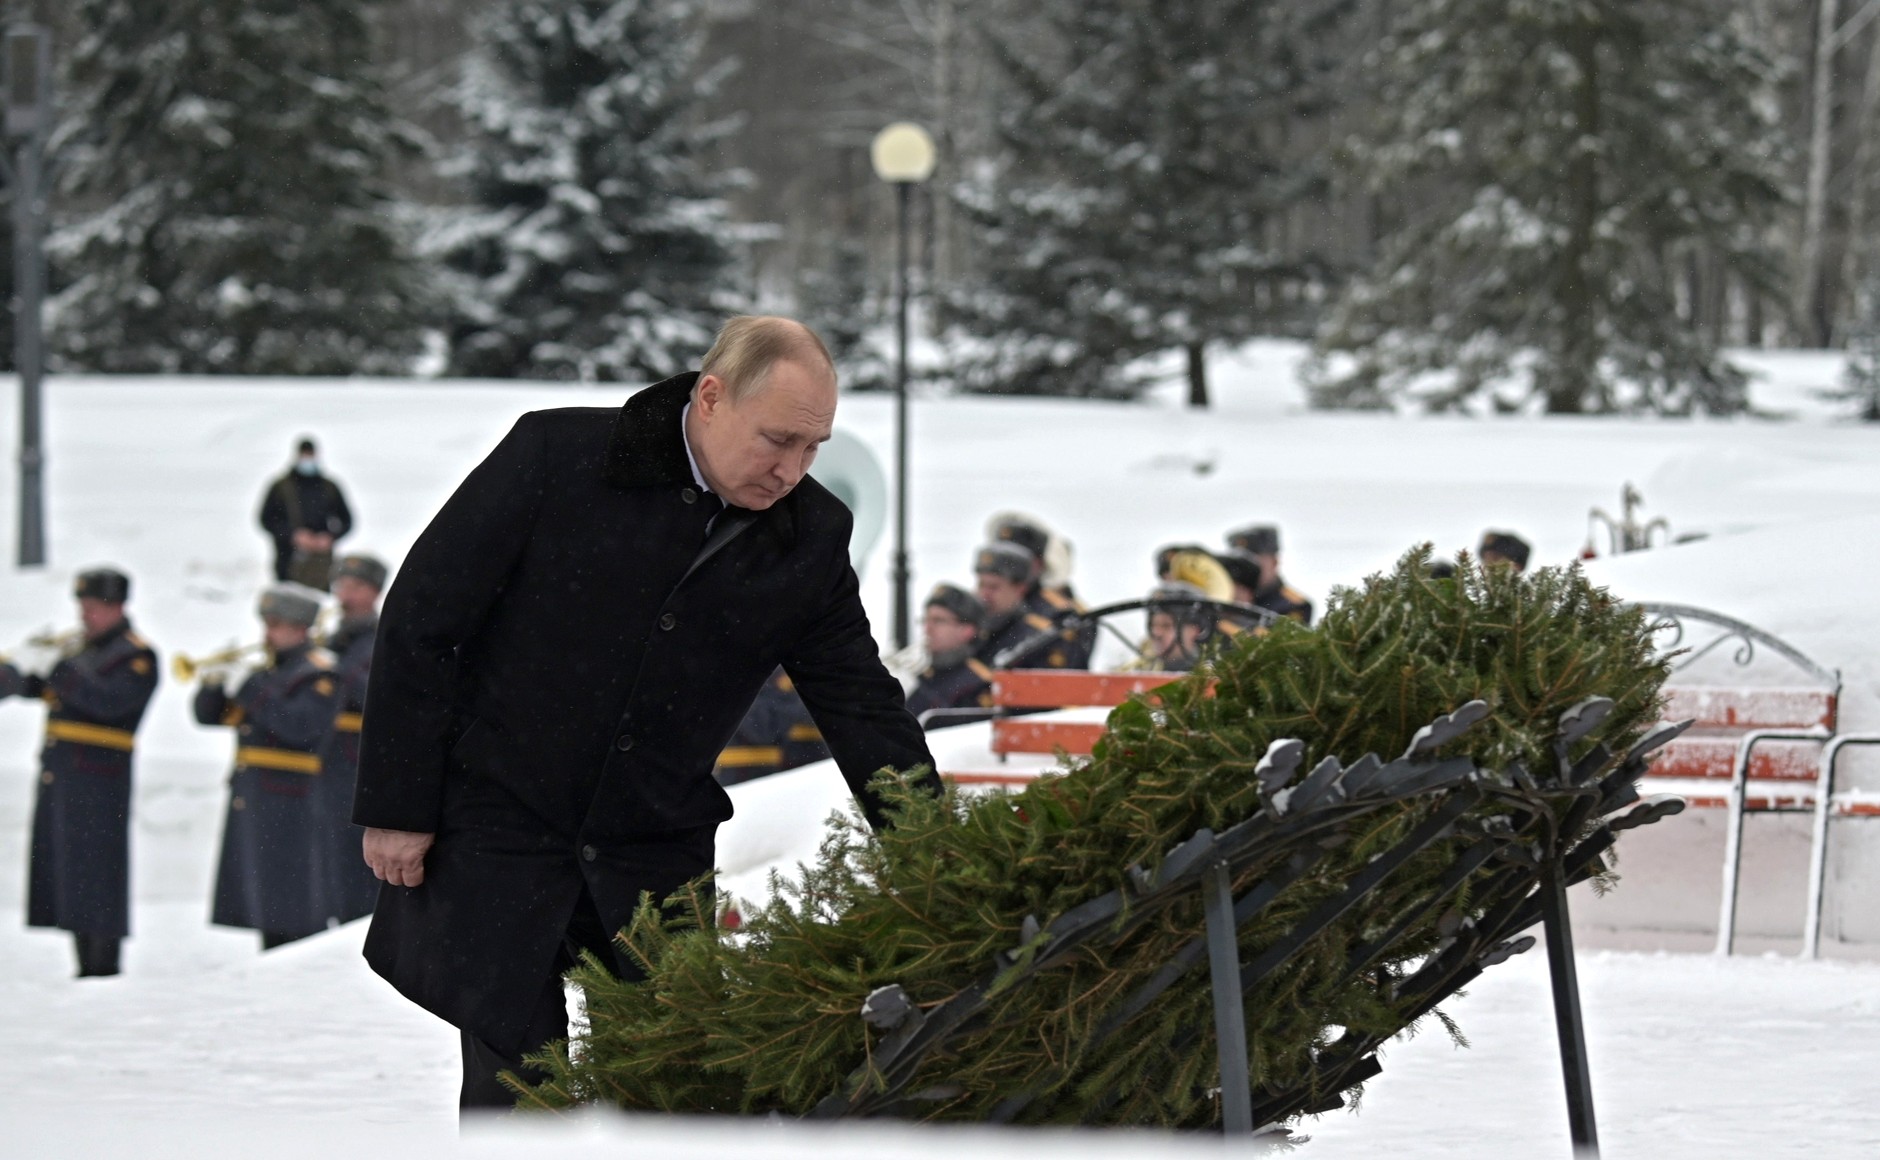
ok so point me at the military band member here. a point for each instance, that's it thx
(1048, 600)
(955, 681)
(1504, 548)
(777, 733)
(1003, 576)
(1261, 541)
(1181, 623)
(95, 698)
(351, 888)
(269, 875)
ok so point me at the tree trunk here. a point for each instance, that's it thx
(1854, 259)
(1572, 386)
(1808, 320)
(1197, 375)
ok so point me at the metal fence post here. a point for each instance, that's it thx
(1230, 1015)
(1567, 1022)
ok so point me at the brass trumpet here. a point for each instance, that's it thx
(186, 668)
(62, 643)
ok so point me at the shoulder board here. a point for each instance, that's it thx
(785, 684)
(1227, 627)
(980, 668)
(1043, 624)
(319, 658)
(1054, 598)
(1293, 594)
(136, 640)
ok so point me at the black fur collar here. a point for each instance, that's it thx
(648, 448)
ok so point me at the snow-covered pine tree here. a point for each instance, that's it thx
(1552, 161)
(226, 162)
(599, 245)
(1144, 161)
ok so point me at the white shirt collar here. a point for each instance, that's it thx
(691, 459)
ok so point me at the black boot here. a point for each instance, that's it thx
(97, 954)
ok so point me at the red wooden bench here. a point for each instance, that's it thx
(1754, 749)
(1017, 690)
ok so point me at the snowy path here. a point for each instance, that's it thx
(207, 1041)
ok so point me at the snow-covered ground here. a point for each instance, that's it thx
(205, 1043)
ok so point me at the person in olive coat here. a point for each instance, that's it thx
(268, 877)
(567, 649)
(79, 879)
(351, 889)
(304, 512)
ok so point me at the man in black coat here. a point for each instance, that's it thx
(96, 696)
(567, 648)
(268, 877)
(305, 512)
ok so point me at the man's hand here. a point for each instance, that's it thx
(397, 856)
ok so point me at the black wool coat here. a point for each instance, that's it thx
(554, 679)
(79, 878)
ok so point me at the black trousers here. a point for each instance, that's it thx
(549, 1019)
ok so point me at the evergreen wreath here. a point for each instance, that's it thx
(766, 1019)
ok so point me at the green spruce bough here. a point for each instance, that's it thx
(768, 1019)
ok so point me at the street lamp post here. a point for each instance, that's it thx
(903, 155)
(28, 109)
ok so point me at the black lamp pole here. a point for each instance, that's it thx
(903, 191)
(27, 65)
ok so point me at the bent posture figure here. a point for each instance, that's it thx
(566, 650)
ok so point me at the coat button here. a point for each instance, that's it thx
(667, 621)
(45, 777)
(623, 742)
(588, 853)
(689, 495)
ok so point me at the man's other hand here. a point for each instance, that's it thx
(397, 856)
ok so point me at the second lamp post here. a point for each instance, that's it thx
(903, 155)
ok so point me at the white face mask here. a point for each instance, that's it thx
(307, 465)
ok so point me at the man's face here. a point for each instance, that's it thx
(99, 616)
(281, 634)
(944, 631)
(355, 596)
(999, 594)
(752, 453)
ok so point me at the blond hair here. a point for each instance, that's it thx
(748, 345)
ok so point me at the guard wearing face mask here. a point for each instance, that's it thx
(306, 513)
